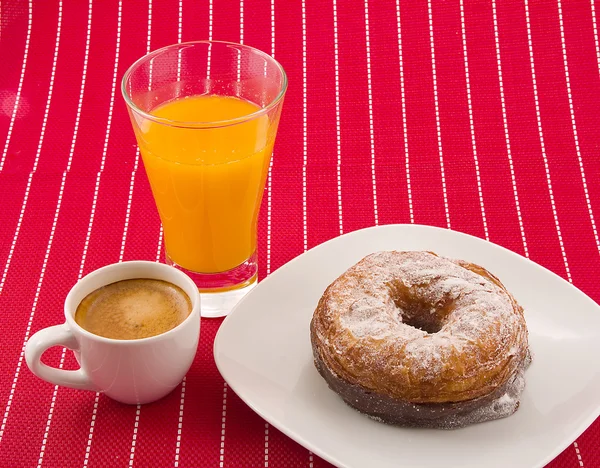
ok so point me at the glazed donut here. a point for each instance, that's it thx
(416, 339)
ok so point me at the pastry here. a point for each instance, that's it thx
(416, 339)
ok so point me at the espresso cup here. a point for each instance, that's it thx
(129, 371)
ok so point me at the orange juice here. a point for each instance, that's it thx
(207, 180)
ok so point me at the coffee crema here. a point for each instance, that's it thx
(133, 309)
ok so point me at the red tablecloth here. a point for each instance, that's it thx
(477, 116)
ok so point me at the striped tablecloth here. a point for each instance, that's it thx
(478, 116)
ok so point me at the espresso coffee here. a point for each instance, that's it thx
(133, 309)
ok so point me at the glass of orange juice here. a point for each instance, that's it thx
(205, 116)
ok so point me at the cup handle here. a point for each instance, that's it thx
(58, 335)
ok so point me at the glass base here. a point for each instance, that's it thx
(219, 304)
(220, 292)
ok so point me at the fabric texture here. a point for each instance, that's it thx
(478, 116)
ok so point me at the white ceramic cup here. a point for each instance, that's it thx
(129, 371)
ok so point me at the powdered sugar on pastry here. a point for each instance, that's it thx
(423, 329)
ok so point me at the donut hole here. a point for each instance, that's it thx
(419, 316)
(415, 310)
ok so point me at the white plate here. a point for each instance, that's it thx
(263, 352)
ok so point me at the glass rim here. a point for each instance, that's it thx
(209, 124)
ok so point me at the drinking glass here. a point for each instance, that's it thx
(205, 116)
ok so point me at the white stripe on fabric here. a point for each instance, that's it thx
(304, 130)
(511, 166)
(210, 36)
(338, 125)
(179, 37)
(542, 142)
(210, 20)
(269, 174)
(574, 125)
(129, 202)
(404, 121)
(305, 149)
(223, 419)
(180, 423)
(241, 21)
(371, 119)
(160, 241)
(578, 454)
(595, 28)
(472, 120)
(266, 445)
(269, 211)
(437, 113)
(136, 424)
